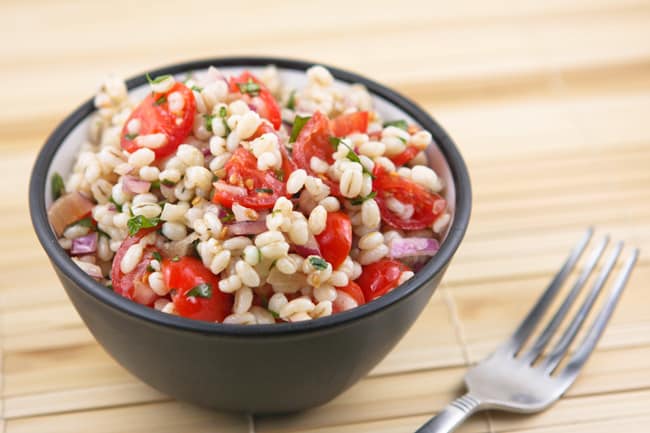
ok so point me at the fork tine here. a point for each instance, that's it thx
(588, 344)
(558, 352)
(528, 324)
(555, 322)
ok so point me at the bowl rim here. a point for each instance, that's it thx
(460, 175)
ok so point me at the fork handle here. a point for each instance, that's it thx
(451, 416)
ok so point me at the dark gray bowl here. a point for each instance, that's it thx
(261, 368)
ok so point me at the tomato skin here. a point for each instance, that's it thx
(156, 118)
(404, 157)
(241, 170)
(354, 291)
(134, 285)
(380, 277)
(336, 240)
(347, 124)
(182, 276)
(269, 107)
(427, 206)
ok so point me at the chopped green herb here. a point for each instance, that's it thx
(335, 141)
(167, 182)
(203, 290)
(110, 285)
(274, 314)
(158, 79)
(264, 190)
(298, 124)
(101, 232)
(130, 136)
(138, 222)
(156, 255)
(207, 118)
(58, 187)
(85, 222)
(291, 103)
(223, 113)
(402, 139)
(196, 88)
(359, 200)
(118, 206)
(250, 87)
(161, 100)
(318, 263)
(155, 184)
(401, 124)
(150, 268)
(279, 174)
(228, 217)
(176, 259)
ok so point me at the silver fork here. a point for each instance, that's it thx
(507, 379)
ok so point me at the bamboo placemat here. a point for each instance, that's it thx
(549, 102)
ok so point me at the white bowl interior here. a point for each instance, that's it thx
(66, 155)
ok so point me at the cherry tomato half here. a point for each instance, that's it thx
(347, 124)
(314, 140)
(155, 117)
(183, 276)
(336, 240)
(262, 188)
(134, 285)
(404, 157)
(261, 98)
(427, 206)
(380, 277)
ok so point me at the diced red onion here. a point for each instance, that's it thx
(311, 248)
(68, 209)
(409, 247)
(133, 185)
(206, 151)
(84, 244)
(247, 228)
(232, 189)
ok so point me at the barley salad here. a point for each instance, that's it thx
(238, 199)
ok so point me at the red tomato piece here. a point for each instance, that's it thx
(264, 102)
(347, 124)
(184, 275)
(380, 277)
(155, 117)
(427, 206)
(355, 291)
(404, 157)
(259, 189)
(336, 240)
(314, 140)
(134, 285)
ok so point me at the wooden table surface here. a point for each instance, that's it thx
(548, 100)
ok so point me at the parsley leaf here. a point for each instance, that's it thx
(203, 290)
(401, 124)
(352, 156)
(196, 88)
(130, 136)
(228, 217)
(101, 232)
(138, 222)
(155, 184)
(118, 206)
(274, 314)
(161, 100)
(158, 79)
(291, 103)
(58, 187)
(176, 259)
(359, 200)
(208, 121)
(335, 141)
(298, 124)
(264, 190)
(223, 113)
(167, 182)
(156, 255)
(318, 263)
(250, 87)
(85, 222)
